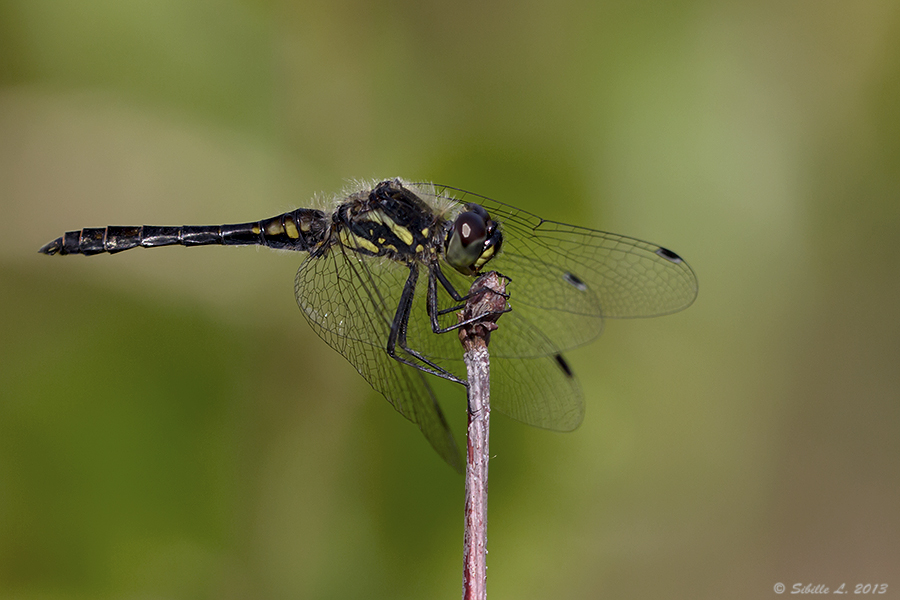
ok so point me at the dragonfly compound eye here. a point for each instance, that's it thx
(471, 229)
(474, 239)
(467, 239)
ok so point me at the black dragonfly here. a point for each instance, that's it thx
(389, 265)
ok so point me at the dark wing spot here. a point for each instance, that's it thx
(575, 281)
(668, 255)
(563, 365)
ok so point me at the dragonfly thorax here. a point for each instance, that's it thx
(390, 221)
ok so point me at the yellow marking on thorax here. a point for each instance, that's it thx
(402, 233)
(354, 241)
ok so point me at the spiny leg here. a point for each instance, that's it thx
(399, 325)
(434, 275)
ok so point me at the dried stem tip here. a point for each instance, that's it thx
(487, 301)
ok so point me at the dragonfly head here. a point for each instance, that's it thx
(473, 240)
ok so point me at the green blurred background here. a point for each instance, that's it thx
(170, 427)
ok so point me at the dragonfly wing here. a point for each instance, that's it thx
(542, 392)
(538, 389)
(350, 302)
(566, 279)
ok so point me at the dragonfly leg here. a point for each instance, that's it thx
(397, 336)
(434, 275)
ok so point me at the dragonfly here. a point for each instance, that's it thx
(391, 262)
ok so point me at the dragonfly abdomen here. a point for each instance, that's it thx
(298, 230)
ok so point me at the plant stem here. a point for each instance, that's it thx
(487, 299)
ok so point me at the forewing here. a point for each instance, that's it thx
(566, 279)
(350, 302)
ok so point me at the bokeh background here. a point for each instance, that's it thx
(170, 427)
